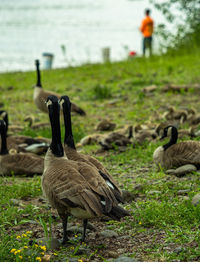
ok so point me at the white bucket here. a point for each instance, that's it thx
(106, 54)
(48, 60)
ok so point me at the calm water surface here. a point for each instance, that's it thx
(29, 28)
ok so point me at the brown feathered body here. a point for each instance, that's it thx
(40, 96)
(187, 152)
(19, 143)
(21, 164)
(73, 188)
(72, 154)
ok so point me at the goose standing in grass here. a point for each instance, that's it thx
(175, 155)
(70, 149)
(19, 164)
(65, 185)
(40, 95)
(24, 143)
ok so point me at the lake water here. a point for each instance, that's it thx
(84, 27)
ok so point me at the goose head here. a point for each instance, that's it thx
(54, 116)
(174, 136)
(4, 116)
(66, 107)
(30, 119)
(3, 133)
(65, 103)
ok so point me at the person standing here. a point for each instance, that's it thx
(146, 28)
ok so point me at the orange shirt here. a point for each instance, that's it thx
(147, 26)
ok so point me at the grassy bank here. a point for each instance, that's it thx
(164, 225)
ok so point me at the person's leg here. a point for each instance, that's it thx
(150, 46)
(144, 45)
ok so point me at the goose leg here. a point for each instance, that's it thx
(64, 223)
(85, 221)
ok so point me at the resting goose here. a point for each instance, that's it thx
(176, 155)
(114, 138)
(19, 164)
(105, 125)
(72, 154)
(35, 126)
(193, 117)
(173, 114)
(24, 143)
(65, 185)
(40, 95)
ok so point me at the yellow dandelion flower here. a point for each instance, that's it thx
(20, 257)
(76, 236)
(36, 245)
(12, 250)
(28, 232)
(42, 253)
(55, 254)
(38, 259)
(140, 223)
(18, 237)
(17, 251)
(25, 247)
(24, 235)
(80, 260)
(43, 248)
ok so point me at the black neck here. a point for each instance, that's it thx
(68, 140)
(38, 84)
(56, 144)
(6, 121)
(4, 149)
(173, 139)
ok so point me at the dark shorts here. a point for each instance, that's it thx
(147, 43)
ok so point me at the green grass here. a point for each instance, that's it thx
(164, 224)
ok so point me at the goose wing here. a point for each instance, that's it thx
(187, 152)
(22, 164)
(106, 176)
(65, 186)
(97, 184)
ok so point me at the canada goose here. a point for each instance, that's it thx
(97, 138)
(173, 114)
(105, 125)
(160, 127)
(40, 95)
(18, 164)
(175, 155)
(120, 137)
(35, 126)
(12, 128)
(24, 143)
(72, 154)
(112, 139)
(193, 117)
(142, 135)
(66, 188)
(91, 139)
